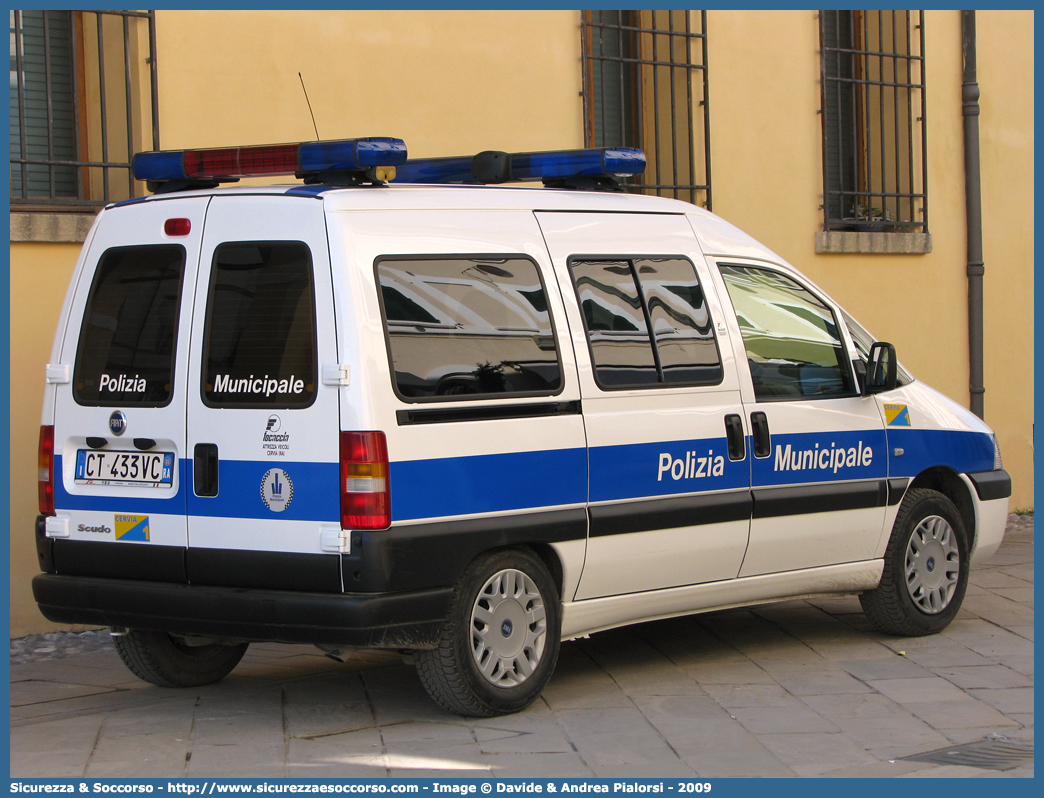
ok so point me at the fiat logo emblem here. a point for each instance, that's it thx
(117, 423)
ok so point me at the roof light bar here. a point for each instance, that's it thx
(435, 170)
(596, 166)
(231, 163)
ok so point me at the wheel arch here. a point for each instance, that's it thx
(947, 482)
(551, 560)
(545, 552)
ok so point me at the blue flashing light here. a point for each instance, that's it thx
(169, 165)
(603, 162)
(435, 170)
(502, 167)
(352, 154)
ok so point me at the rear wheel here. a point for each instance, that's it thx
(926, 568)
(500, 643)
(161, 659)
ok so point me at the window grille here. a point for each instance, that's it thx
(874, 133)
(645, 86)
(82, 98)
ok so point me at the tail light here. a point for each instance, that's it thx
(45, 464)
(365, 491)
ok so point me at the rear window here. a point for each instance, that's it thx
(130, 328)
(458, 328)
(259, 344)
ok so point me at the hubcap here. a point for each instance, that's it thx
(932, 565)
(508, 628)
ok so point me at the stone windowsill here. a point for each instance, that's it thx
(50, 228)
(837, 242)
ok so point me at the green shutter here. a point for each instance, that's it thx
(29, 95)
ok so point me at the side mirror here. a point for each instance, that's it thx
(882, 369)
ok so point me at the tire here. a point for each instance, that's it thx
(500, 643)
(925, 568)
(163, 660)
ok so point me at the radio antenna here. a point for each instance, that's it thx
(309, 107)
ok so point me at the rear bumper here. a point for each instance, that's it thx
(382, 620)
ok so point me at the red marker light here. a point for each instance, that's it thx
(177, 227)
(45, 461)
(365, 492)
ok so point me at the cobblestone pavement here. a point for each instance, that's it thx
(801, 688)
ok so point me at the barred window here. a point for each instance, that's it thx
(645, 86)
(82, 100)
(873, 104)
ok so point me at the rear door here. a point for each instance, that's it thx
(262, 429)
(669, 497)
(120, 395)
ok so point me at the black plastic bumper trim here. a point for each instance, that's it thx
(264, 570)
(808, 499)
(991, 485)
(44, 546)
(681, 511)
(403, 620)
(116, 560)
(897, 489)
(444, 415)
(423, 556)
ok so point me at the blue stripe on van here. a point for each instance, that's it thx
(815, 457)
(965, 451)
(487, 483)
(315, 491)
(636, 470)
(175, 505)
(453, 486)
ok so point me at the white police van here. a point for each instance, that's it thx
(469, 421)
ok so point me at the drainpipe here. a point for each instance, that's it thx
(973, 209)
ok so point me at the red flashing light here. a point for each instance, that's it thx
(45, 473)
(365, 489)
(276, 159)
(177, 227)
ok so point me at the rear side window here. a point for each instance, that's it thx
(793, 344)
(130, 327)
(259, 343)
(623, 300)
(459, 328)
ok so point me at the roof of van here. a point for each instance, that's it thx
(717, 237)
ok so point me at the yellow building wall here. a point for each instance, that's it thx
(766, 136)
(39, 276)
(1006, 150)
(447, 82)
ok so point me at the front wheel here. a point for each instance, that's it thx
(499, 645)
(925, 568)
(161, 659)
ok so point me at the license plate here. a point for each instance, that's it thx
(140, 469)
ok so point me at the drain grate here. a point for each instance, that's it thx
(993, 753)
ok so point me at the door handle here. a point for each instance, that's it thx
(760, 429)
(205, 469)
(734, 436)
